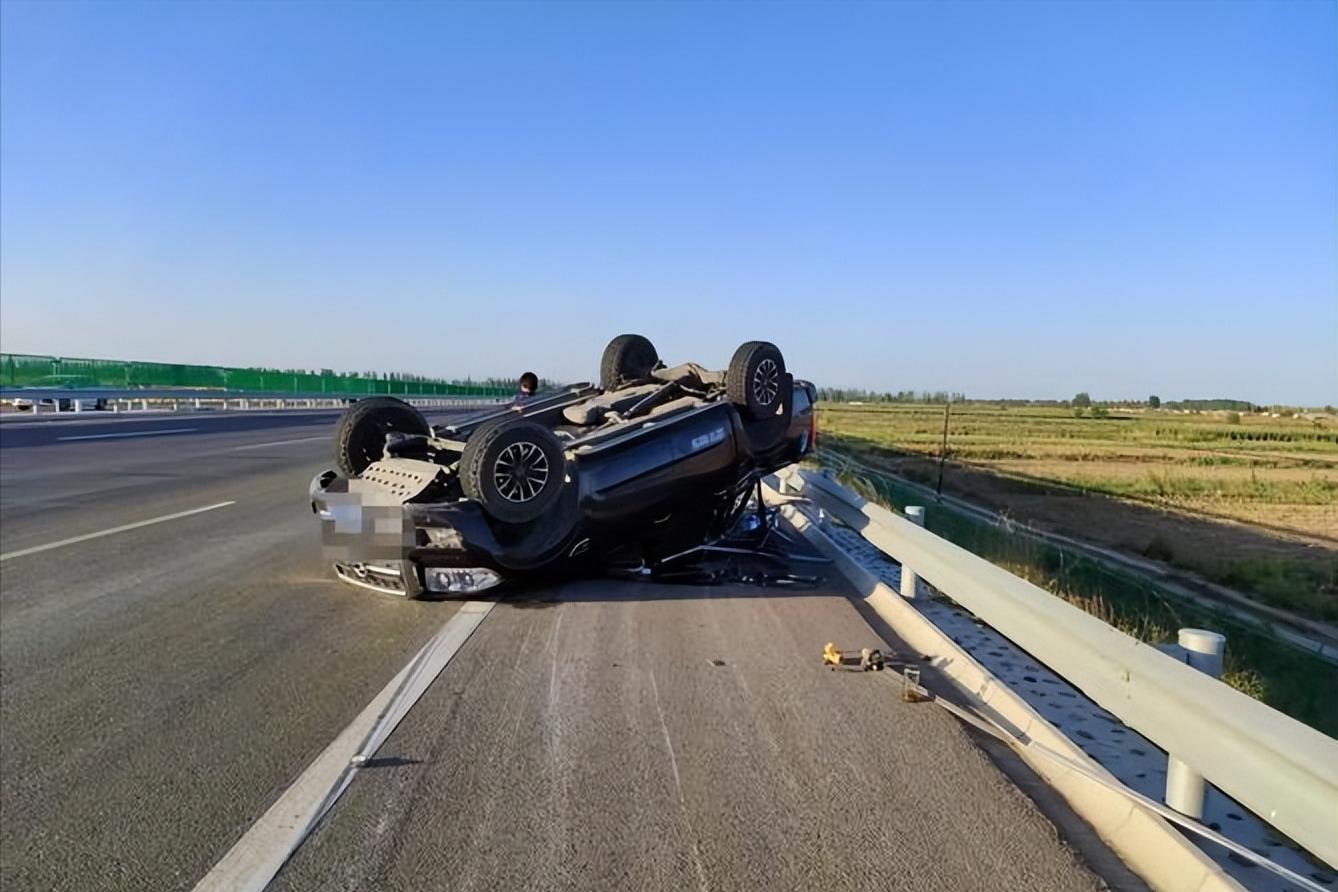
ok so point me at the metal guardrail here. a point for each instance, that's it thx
(1307, 635)
(135, 394)
(1164, 858)
(1279, 768)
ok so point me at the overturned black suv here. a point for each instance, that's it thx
(654, 461)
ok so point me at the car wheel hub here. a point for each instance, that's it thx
(766, 382)
(520, 472)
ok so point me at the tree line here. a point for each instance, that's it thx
(1080, 401)
(859, 395)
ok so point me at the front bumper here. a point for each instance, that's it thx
(374, 540)
(382, 578)
(390, 579)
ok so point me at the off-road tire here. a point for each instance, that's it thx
(628, 357)
(360, 435)
(755, 379)
(537, 462)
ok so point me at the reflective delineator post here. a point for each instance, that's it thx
(909, 580)
(1184, 786)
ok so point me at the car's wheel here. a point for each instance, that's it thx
(546, 541)
(755, 378)
(515, 469)
(628, 357)
(412, 582)
(360, 436)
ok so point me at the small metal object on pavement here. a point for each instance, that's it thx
(870, 659)
(911, 689)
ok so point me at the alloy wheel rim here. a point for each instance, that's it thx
(766, 382)
(521, 472)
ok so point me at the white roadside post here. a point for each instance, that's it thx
(1184, 786)
(916, 515)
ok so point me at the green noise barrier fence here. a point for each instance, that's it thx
(22, 370)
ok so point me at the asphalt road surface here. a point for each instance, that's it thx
(174, 654)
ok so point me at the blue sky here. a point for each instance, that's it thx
(1002, 199)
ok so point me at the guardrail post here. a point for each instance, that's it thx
(909, 580)
(1184, 786)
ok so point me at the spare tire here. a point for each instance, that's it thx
(360, 436)
(514, 468)
(755, 379)
(628, 357)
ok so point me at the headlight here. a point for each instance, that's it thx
(460, 580)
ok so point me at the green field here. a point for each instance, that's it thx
(1253, 468)
(1245, 500)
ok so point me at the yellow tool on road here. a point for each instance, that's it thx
(870, 659)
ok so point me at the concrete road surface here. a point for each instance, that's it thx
(162, 684)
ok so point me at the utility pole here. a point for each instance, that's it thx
(943, 449)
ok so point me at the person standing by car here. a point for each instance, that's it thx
(529, 385)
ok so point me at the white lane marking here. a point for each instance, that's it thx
(256, 858)
(154, 433)
(121, 529)
(282, 442)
